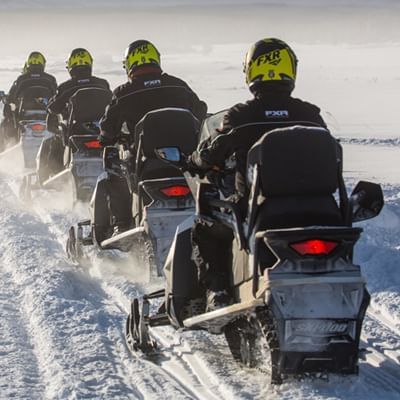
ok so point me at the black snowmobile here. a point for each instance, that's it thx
(159, 196)
(298, 298)
(30, 124)
(73, 158)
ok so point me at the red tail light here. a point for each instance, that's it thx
(38, 127)
(175, 191)
(314, 247)
(93, 144)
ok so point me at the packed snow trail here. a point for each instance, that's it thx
(75, 347)
(63, 325)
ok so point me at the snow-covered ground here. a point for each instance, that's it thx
(61, 331)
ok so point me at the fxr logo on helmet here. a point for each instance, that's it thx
(273, 57)
(141, 49)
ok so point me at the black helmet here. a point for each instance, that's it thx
(140, 53)
(79, 59)
(270, 63)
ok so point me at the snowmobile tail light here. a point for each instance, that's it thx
(314, 247)
(175, 191)
(38, 127)
(93, 144)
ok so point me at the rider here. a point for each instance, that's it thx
(131, 101)
(32, 75)
(270, 67)
(79, 66)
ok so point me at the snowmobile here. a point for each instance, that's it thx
(159, 196)
(30, 124)
(298, 298)
(72, 158)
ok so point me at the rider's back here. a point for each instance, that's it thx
(149, 92)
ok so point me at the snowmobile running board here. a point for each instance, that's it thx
(214, 321)
(11, 149)
(57, 180)
(122, 241)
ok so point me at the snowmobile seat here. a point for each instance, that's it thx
(32, 102)
(86, 107)
(299, 171)
(162, 128)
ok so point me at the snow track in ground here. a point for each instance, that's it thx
(17, 349)
(75, 330)
(63, 325)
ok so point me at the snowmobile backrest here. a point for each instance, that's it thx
(163, 128)
(34, 98)
(33, 88)
(167, 127)
(296, 161)
(88, 104)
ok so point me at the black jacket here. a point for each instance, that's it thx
(59, 103)
(27, 80)
(146, 92)
(277, 109)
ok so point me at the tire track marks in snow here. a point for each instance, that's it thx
(17, 355)
(66, 318)
(186, 377)
(151, 381)
(198, 365)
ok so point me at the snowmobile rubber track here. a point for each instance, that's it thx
(137, 330)
(245, 333)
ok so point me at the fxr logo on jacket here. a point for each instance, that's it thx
(277, 113)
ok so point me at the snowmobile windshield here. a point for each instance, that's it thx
(210, 124)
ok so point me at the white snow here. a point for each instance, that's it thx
(62, 326)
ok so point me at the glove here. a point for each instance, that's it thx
(194, 169)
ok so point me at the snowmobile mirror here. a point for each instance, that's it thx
(366, 201)
(42, 101)
(170, 154)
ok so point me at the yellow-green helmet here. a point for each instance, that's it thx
(270, 60)
(139, 53)
(35, 59)
(79, 58)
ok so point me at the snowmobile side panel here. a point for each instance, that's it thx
(180, 273)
